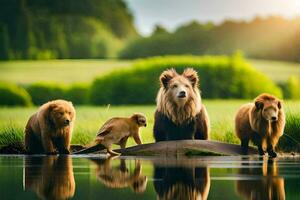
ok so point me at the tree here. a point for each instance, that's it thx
(4, 43)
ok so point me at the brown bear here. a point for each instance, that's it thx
(50, 177)
(180, 113)
(262, 122)
(50, 128)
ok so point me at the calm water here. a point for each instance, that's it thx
(53, 177)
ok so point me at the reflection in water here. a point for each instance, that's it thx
(50, 177)
(119, 176)
(264, 183)
(181, 182)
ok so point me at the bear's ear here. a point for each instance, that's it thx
(191, 75)
(259, 104)
(166, 76)
(279, 104)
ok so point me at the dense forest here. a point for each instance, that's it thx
(268, 38)
(43, 29)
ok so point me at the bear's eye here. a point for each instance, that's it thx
(186, 85)
(175, 86)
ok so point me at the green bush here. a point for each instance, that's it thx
(78, 93)
(43, 92)
(220, 77)
(13, 95)
(291, 88)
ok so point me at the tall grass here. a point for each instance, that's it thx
(11, 135)
(290, 140)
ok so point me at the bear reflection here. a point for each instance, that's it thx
(50, 177)
(118, 176)
(181, 182)
(264, 183)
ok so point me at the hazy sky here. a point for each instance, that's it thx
(172, 13)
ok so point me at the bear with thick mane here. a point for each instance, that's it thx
(262, 122)
(180, 113)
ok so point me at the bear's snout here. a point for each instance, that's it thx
(67, 122)
(274, 118)
(181, 94)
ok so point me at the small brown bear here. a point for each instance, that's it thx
(116, 131)
(262, 122)
(180, 114)
(50, 129)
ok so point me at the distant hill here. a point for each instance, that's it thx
(272, 38)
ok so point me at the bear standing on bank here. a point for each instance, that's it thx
(50, 129)
(180, 113)
(262, 122)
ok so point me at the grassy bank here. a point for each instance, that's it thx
(89, 120)
(69, 71)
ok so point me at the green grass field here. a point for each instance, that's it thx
(89, 120)
(277, 70)
(62, 71)
(69, 71)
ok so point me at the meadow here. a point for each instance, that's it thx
(61, 71)
(90, 118)
(70, 71)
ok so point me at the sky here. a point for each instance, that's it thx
(173, 13)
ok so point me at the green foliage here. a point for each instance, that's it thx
(291, 140)
(78, 94)
(89, 38)
(65, 29)
(291, 89)
(13, 95)
(11, 135)
(4, 43)
(43, 92)
(220, 77)
(269, 38)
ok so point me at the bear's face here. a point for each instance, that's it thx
(62, 114)
(269, 108)
(180, 88)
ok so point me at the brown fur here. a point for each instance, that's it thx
(50, 177)
(270, 186)
(253, 122)
(50, 128)
(179, 110)
(117, 130)
(119, 176)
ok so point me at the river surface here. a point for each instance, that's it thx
(94, 177)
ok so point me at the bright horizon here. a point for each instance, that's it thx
(173, 13)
